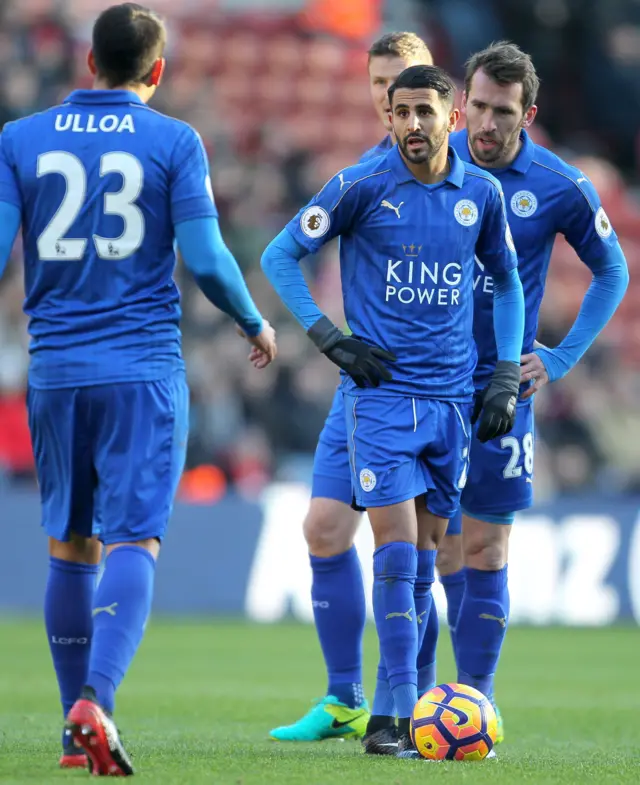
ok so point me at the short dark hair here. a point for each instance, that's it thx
(409, 46)
(506, 64)
(429, 77)
(127, 40)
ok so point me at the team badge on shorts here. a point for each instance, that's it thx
(315, 221)
(524, 204)
(367, 480)
(466, 212)
(603, 224)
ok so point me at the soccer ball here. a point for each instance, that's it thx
(454, 722)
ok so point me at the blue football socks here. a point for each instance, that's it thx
(482, 625)
(454, 585)
(394, 569)
(427, 653)
(121, 607)
(339, 609)
(67, 615)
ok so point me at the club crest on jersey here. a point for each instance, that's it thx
(315, 222)
(524, 204)
(466, 212)
(603, 224)
(367, 480)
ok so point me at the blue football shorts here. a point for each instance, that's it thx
(402, 447)
(500, 480)
(113, 453)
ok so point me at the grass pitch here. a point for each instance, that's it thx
(202, 696)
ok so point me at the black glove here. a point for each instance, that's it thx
(496, 405)
(358, 359)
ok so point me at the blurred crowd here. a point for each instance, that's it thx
(280, 96)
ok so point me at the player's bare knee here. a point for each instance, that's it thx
(395, 523)
(431, 528)
(485, 544)
(449, 558)
(486, 548)
(78, 549)
(330, 527)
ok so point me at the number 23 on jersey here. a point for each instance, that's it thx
(53, 245)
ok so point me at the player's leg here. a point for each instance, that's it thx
(395, 566)
(386, 477)
(484, 611)
(428, 626)
(66, 482)
(385, 448)
(68, 604)
(500, 481)
(445, 464)
(449, 563)
(337, 591)
(139, 435)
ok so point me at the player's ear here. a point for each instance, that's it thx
(91, 63)
(157, 71)
(453, 120)
(530, 116)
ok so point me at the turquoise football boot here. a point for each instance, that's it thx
(328, 719)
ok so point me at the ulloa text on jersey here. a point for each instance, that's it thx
(90, 124)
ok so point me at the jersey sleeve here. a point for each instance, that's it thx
(585, 223)
(495, 247)
(330, 213)
(190, 182)
(9, 188)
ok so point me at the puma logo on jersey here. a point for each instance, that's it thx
(501, 621)
(397, 615)
(343, 182)
(110, 609)
(421, 616)
(396, 210)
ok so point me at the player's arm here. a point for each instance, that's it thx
(216, 271)
(10, 203)
(496, 250)
(329, 214)
(588, 230)
(197, 231)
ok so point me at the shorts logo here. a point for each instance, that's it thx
(466, 212)
(315, 222)
(509, 239)
(367, 480)
(524, 204)
(603, 224)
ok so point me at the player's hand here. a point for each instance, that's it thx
(532, 369)
(264, 348)
(362, 362)
(497, 411)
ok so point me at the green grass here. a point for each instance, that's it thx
(201, 697)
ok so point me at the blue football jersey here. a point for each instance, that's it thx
(545, 196)
(381, 148)
(101, 181)
(407, 255)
